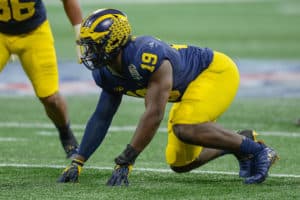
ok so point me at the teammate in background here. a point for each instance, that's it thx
(25, 32)
(200, 82)
(298, 122)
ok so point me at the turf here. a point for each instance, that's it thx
(39, 148)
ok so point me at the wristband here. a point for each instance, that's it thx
(77, 35)
(77, 30)
(127, 157)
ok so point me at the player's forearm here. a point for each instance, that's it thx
(98, 124)
(94, 134)
(73, 11)
(146, 129)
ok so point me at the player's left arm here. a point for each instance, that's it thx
(158, 91)
(74, 13)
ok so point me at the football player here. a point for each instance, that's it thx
(201, 84)
(25, 32)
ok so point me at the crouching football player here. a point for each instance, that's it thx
(201, 84)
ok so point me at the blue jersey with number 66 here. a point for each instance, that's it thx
(18, 17)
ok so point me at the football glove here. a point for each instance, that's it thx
(120, 176)
(124, 163)
(71, 173)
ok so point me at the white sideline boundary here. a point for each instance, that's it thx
(155, 170)
(81, 127)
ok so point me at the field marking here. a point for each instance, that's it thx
(157, 170)
(81, 127)
(11, 139)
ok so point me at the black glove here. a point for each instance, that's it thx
(120, 175)
(71, 173)
(124, 163)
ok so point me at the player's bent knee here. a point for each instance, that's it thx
(181, 169)
(183, 134)
(179, 155)
(52, 100)
(178, 131)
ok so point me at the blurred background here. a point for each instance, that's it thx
(262, 36)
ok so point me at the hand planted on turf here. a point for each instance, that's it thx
(71, 173)
(120, 176)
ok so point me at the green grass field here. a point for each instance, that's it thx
(32, 159)
(31, 156)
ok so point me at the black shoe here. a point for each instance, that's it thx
(263, 160)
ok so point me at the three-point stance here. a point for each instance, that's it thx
(200, 82)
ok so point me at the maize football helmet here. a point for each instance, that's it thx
(102, 35)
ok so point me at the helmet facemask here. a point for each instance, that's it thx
(93, 54)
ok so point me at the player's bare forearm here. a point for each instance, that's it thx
(73, 11)
(147, 128)
(156, 99)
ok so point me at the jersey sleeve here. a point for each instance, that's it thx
(106, 81)
(100, 78)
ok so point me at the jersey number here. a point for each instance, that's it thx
(14, 9)
(148, 61)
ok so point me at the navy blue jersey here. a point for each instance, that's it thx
(22, 16)
(142, 56)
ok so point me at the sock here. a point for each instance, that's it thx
(248, 146)
(65, 132)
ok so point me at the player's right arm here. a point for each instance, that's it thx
(95, 131)
(99, 123)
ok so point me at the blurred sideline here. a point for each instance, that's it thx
(259, 78)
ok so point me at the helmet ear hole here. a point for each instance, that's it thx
(106, 31)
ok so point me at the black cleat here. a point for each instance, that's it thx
(246, 162)
(263, 160)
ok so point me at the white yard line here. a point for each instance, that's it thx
(115, 129)
(11, 139)
(118, 128)
(157, 170)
